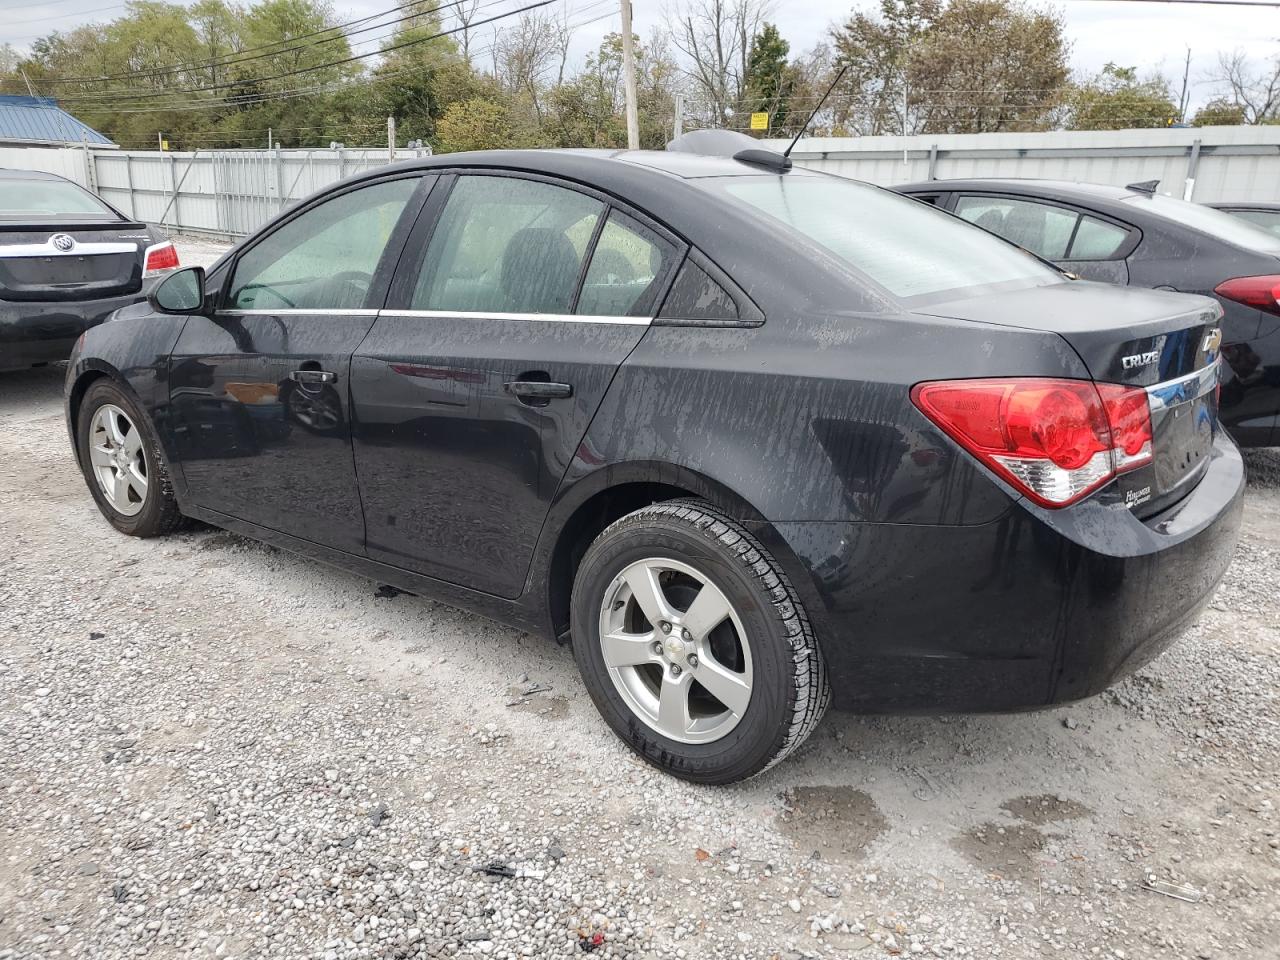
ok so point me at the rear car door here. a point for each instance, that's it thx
(1091, 247)
(517, 299)
(259, 391)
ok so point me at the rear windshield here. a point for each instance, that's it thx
(914, 251)
(1216, 223)
(33, 199)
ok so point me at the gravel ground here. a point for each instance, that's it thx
(209, 747)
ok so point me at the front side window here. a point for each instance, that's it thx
(1043, 229)
(908, 248)
(507, 245)
(626, 270)
(325, 258)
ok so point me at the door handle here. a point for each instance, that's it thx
(538, 390)
(313, 376)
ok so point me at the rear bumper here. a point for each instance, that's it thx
(1035, 608)
(34, 333)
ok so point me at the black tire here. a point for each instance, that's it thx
(790, 691)
(159, 514)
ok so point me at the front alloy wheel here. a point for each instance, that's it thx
(117, 460)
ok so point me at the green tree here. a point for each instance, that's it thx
(476, 124)
(1219, 112)
(771, 80)
(1115, 99)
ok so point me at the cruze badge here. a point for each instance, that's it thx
(62, 242)
(1140, 359)
(1212, 340)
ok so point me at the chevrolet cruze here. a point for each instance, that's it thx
(752, 439)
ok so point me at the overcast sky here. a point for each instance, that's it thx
(1151, 36)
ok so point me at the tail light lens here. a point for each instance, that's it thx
(1056, 441)
(159, 258)
(1260, 292)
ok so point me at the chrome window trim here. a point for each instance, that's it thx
(15, 251)
(530, 317)
(1171, 393)
(302, 312)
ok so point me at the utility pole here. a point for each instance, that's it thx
(268, 138)
(391, 139)
(1182, 100)
(629, 77)
(678, 126)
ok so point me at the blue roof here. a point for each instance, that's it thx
(37, 119)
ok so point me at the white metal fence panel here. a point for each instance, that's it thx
(1221, 163)
(69, 162)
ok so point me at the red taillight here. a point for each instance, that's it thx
(1055, 440)
(1260, 292)
(159, 258)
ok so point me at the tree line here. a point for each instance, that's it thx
(476, 74)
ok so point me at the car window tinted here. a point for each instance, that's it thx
(626, 269)
(506, 245)
(909, 248)
(1043, 229)
(1267, 219)
(696, 296)
(51, 198)
(324, 258)
(1216, 223)
(1096, 240)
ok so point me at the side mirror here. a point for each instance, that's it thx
(180, 292)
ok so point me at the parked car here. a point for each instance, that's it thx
(67, 260)
(1265, 215)
(1133, 235)
(750, 440)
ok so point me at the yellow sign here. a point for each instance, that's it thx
(759, 121)
(164, 144)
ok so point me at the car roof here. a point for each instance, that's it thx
(1029, 185)
(10, 174)
(1245, 205)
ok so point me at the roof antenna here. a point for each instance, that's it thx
(1148, 187)
(821, 104)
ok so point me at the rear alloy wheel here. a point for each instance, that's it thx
(693, 644)
(122, 463)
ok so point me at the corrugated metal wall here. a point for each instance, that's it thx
(226, 193)
(1224, 163)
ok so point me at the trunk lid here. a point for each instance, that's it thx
(1165, 343)
(62, 261)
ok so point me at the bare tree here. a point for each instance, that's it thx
(465, 13)
(714, 39)
(526, 53)
(1255, 91)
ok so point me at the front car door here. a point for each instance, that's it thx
(1091, 247)
(260, 392)
(517, 300)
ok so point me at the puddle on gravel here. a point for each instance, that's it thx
(836, 823)
(1012, 851)
(1046, 808)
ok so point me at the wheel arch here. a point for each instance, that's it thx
(89, 371)
(595, 501)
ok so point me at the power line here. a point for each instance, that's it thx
(1202, 3)
(285, 46)
(114, 95)
(321, 88)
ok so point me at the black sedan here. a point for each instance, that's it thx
(750, 440)
(67, 260)
(1135, 236)
(1264, 215)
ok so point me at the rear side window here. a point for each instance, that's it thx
(1043, 229)
(696, 296)
(1097, 240)
(324, 258)
(907, 248)
(626, 270)
(507, 245)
